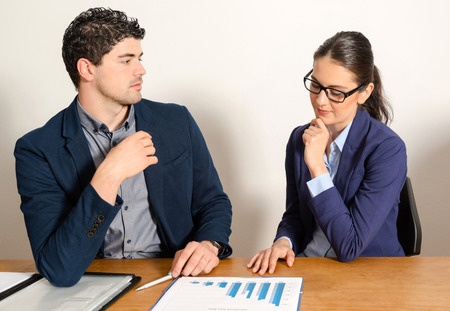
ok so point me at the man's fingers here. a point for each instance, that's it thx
(180, 259)
(196, 258)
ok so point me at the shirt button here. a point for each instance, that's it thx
(128, 241)
(114, 143)
(126, 208)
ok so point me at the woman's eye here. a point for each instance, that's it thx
(315, 85)
(335, 93)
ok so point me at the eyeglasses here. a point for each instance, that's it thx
(332, 94)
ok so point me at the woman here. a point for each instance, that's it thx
(345, 169)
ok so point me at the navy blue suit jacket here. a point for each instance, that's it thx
(358, 215)
(67, 221)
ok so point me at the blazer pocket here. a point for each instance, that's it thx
(179, 159)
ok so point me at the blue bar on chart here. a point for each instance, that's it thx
(277, 293)
(222, 284)
(262, 291)
(209, 283)
(249, 287)
(232, 292)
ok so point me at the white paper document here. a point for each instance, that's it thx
(10, 279)
(231, 294)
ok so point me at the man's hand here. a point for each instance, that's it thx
(134, 154)
(196, 258)
(266, 260)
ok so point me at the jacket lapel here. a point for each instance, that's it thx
(350, 154)
(147, 122)
(77, 146)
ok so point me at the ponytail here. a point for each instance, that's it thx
(377, 104)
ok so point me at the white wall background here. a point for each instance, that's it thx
(238, 66)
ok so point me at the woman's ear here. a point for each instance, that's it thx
(365, 94)
(85, 71)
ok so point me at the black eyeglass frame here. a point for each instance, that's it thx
(321, 87)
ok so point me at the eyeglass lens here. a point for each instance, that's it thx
(332, 94)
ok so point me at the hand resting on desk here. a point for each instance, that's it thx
(196, 258)
(266, 260)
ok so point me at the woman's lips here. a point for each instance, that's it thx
(322, 112)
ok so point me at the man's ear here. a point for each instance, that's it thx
(85, 69)
(364, 94)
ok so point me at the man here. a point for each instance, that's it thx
(114, 175)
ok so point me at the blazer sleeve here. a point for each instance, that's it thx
(211, 207)
(66, 223)
(296, 222)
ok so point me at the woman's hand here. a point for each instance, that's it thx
(266, 260)
(316, 138)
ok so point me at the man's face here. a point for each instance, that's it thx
(118, 79)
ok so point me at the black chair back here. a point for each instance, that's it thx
(408, 222)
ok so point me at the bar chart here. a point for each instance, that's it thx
(232, 293)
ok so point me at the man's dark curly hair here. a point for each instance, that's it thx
(93, 34)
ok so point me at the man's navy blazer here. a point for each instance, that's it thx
(358, 214)
(67, 221)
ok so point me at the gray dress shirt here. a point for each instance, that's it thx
(132, 234)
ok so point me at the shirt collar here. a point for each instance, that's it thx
(92, 124)
(340, 140)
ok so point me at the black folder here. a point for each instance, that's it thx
(95, 291)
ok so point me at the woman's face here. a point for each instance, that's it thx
(329, 73)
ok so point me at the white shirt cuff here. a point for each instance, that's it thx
(319, 184)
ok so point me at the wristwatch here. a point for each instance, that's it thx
(219, 246)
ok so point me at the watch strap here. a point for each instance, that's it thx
(219, 246)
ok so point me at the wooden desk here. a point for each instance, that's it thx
(411, 283)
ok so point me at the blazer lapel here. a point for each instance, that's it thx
(146, 121)
(350, 154)
(77, 147)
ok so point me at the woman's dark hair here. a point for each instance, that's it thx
(93, 34)
(354, 51)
